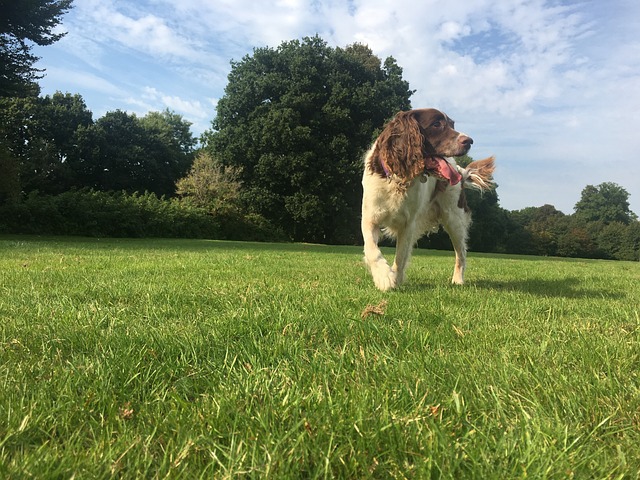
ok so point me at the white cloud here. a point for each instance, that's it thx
(190, 108)
(82, 80)
(451, 30)
(155, 100)
(104, 22)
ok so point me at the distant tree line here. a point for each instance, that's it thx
(52, 144)
(282, 161)
(61, 172)
(602, 226)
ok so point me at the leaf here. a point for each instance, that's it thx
(126, 412)
(378, 309)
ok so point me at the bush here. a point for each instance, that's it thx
(117, 214)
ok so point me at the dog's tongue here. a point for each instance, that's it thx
(444, 170)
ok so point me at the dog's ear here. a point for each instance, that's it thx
(400, 147)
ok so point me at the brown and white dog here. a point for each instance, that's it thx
(411, 187)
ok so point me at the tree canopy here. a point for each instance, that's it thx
(39, 135)
(607, 203)
(52, 144)
(297, 120)
(23, 23)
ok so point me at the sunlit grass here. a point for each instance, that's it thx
(148, 358)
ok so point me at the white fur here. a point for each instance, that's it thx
(406, 213)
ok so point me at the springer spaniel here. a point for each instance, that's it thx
(411, 188)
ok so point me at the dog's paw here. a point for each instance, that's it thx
(384, 277)
(386, 283)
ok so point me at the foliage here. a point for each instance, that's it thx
(203, 359)
(545, 225)
(577, 242)
(297, 120)
(217, 189)
(170, 130)
(58, 146)
(40, 135)
(488, 230)
(23, 22)
(211, 185)
(489, 227)
(118, 214)
(608, 202)
(121, 152)
(9, 174)
(601, 227)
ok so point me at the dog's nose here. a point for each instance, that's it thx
(466, 141)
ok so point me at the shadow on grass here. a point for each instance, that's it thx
(570, 287)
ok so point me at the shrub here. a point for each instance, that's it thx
(88, 212)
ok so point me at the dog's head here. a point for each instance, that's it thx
(416, 143)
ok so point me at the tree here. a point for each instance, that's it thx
(122, 152)
(536, 230)
(9, 174)
(171, 144)
(211, 185)
(111, 154)
(488, 232)
(518, 238)
(39, 133)
(24, 22)
(171, 129)
(573, 238)
(607, 203)
(611, 240)
(52, 144)
(630, 249)
(297, 120)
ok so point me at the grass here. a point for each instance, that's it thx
(207, 359)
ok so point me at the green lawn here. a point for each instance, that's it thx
(191, 358)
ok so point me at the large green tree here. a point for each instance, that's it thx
(52, 144)
(171, 145)
(297, 120)
(123, 152)
(606, 203)
(171, 129)
(39, 136)
(22, 24)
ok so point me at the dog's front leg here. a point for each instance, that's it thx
(457, 226)
(404, 246)
(383, 276)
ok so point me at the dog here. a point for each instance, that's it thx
(411, 186)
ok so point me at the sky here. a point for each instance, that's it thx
(551, 88)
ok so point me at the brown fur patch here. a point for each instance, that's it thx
(441, 186)
(400, 148)
(462, 201)
(408, 143)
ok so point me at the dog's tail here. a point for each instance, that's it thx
(479, 174)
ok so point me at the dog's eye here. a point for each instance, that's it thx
(437, 124)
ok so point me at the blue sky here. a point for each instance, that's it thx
(552, 88)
